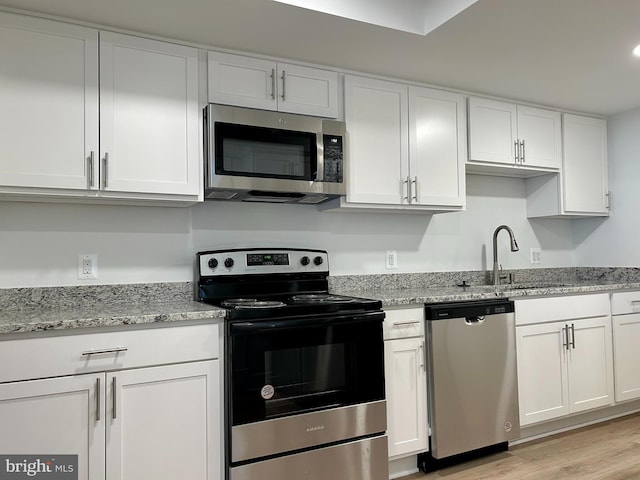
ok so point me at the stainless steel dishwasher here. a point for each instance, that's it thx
(472, 379)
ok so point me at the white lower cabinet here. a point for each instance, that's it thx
(406, 382)
(56, 416)
(625, 309)
(564, 366)
(160, 422)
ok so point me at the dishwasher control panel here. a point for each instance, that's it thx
(473, 308)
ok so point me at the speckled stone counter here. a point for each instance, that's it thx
(62, 308)
(59, 308)
(417, 288)
(409, 296)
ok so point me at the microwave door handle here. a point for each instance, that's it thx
(319, 158)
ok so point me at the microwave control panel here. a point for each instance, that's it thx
(333, 154)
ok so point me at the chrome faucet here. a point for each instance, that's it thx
(514, 248)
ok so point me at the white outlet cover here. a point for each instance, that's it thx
(87, 266)
(535, 255)
(391, 259)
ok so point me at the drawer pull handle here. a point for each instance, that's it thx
(104, 351)
(97, 399)
(114, 401)
(412, 322)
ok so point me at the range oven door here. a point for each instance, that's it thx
(298, 383)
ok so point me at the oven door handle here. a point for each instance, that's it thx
(270, 325)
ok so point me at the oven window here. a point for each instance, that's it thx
(264, 152)
(305, 378)
(290, 371)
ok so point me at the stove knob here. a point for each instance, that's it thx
(228, 262)
(305, 260)
(213, 263)
(317, 260)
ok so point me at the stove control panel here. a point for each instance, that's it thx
(261, 261)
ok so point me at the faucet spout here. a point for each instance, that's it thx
(514, 248)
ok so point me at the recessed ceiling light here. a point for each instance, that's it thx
(636, 51)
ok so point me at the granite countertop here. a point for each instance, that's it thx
(439, 294)
(37, 319)
(63, 308)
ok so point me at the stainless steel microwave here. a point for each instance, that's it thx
(264, 156)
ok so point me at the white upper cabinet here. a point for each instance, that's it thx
(584, 171)
(523, 139)
(149, 141)
(406, 147)
(49, 98)
(133, 138)
(377, 118)
(437, 147)
(582, 188)
(265, 84)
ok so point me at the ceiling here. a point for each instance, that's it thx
(570, 54)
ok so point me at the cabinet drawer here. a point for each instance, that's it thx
(403, 322)
(83, 353)
(551, 309)
(625, 302)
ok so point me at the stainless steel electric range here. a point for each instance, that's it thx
(304, 369)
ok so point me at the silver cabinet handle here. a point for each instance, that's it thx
(422, 355)
(105, 161)
(405, 189)
(104, 350)
(412, 322)
(113, 397)
(565, 333)
(516, 149)
(573, 336)
(98, 399)
(414, 190)
(283, 74)
(90, 168)
(273, 84)
(522, 151)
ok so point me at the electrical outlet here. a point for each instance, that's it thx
(535, 255)
(87, 266)
(391, 260)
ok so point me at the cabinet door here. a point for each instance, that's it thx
(492, 131)
(376, 114)
(57, 416)
(437, 147)
(242, 81)
(148, 116)
(590, 363)
(163, 422)
(626, 338)
(543, 388)
(539, 133)
(309, 91)
(584, 169)
(49, 98)
(406, 393)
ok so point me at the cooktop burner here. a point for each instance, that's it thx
(263, 284)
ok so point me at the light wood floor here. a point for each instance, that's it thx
(607, 451)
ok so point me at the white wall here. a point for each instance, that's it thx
(615, 241)
(40, 242)
(357, 241)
